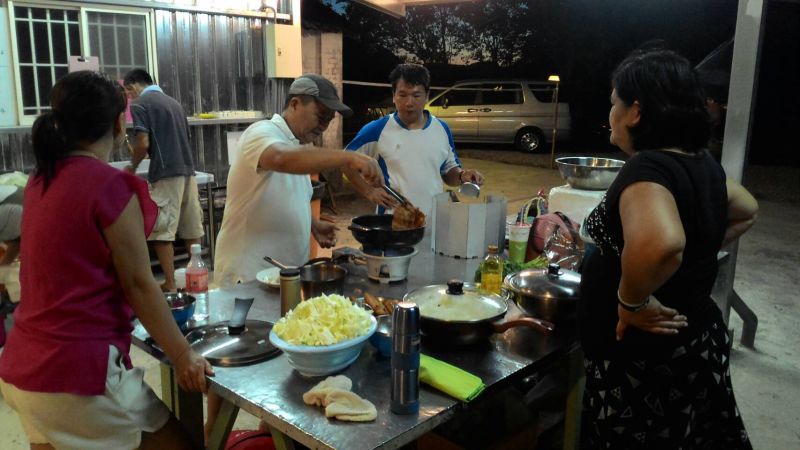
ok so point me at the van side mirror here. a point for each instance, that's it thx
(445, 102)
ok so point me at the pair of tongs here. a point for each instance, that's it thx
(397, 196)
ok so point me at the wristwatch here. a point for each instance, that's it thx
(632, 308)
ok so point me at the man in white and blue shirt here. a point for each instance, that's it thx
(414, 149)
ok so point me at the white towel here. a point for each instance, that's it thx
(345, 405)
(334, 394)
(316, 396)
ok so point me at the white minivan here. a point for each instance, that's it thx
(502, 111)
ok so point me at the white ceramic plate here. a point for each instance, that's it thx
(271, 277)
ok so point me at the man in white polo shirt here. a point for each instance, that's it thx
(414, 149)
(268, 210)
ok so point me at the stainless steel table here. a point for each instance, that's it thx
(272, 390)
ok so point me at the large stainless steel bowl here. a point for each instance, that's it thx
(589, 173)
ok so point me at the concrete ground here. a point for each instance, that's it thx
(768, 270)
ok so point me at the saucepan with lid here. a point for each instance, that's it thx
(550, 293)
(461, 314)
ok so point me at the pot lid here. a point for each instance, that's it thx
(219, 344)
(457, 302)
(552, 282)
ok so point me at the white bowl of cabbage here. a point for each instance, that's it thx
(323, 335)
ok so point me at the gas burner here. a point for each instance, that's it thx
(388, 252)
(386, 265)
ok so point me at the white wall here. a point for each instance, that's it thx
(322, 54)
(8, 107)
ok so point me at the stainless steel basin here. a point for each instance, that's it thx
(589, 173)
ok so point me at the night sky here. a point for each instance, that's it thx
(582, 41)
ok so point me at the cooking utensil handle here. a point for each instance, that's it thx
(357, 227)
(277, 264)
(241, 307)
(320, 260)
(530, 322)
(358, 258)
(395, 194)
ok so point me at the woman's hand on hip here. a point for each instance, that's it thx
(654, 318)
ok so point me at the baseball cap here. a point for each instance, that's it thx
(321, 89)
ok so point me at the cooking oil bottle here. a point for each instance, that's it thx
(492, 271)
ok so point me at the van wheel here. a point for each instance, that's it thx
(530, 140)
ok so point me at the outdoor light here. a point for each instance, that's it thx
(554, 79)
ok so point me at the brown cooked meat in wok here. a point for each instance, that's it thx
(407, 216)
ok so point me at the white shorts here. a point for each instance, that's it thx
(179, 211)
(114, 420)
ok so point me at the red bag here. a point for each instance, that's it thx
(249, 440)
(557, 234)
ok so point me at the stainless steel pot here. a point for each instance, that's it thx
(461, 314)
(318, 276)
(550, 293)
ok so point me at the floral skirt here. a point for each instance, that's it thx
(685, 402)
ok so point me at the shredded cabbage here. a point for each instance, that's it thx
(323, 320)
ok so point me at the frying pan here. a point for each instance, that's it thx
(467, 330)
(376, 230)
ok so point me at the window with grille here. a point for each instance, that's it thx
(47, 34)
(118, 40)
(45, 37)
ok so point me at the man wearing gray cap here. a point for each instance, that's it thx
(268, 209)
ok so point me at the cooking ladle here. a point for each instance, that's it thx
(277, 264)
(312, 262)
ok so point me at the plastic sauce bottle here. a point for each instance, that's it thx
(197, 283)
(492, 271)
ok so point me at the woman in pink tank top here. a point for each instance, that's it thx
(86, 272)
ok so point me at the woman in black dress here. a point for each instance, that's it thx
(657, 369)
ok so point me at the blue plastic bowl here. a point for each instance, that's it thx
(382, 339)
(320, 360)
(182, 307)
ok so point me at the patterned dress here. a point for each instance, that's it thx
(651, 391)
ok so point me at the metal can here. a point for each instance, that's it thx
(290, 289)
